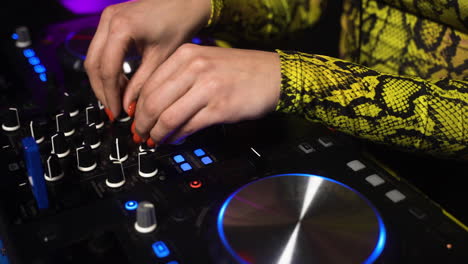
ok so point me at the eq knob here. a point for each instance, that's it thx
(147, 166)
(59, 145)
(70, 104)
(91, 136)
(119, 150)
(36, 131)
(93, 115)
(123, 117)
(53, 170)
(23, 39)
(116, 175)
(145, 218)
(85, 159)
(11, 120)
(64, 124)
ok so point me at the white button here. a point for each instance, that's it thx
(395, 195)
(326, 142)
(356, 165)
(375, 180)
(306, 148)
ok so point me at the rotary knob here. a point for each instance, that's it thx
(11, 120)
(116, 175)
(123, 117)
(91, 136)
(70, 104)
(145, 218)
(59, 145)
(93, 115)
(36, 131)
(64, 124)
(53, 170)
(85, 159)
(119, 150)
(23, 39)
(147, 166)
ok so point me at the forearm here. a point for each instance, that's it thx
(411, 113)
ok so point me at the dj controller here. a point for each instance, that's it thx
(75, 188)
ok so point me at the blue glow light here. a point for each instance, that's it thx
(160, 249)
(14, 36)
(179, 158)
(34, 61)
(372, 257)
(173, 262)
(28, 53)
(185, 167)
(196, 41)
(207, 160)
(39, 68)
(43, 77)
(199, 152)
(131, 205)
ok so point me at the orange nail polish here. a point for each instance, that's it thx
(132, 128)
(150, 143)
(109, 114)
(131, 109)
(136, 138)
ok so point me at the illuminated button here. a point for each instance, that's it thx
(195, 184)
(206, 160)
(356, 165)
(34, 61)
(14, 36)
(395, 196)
(173, 262)
(28, 53)
(160, 249)
(375, 180)
(131, 205)
(186, 167)
(39, 68)
(199, 152)
(179, 158)
(43, 77)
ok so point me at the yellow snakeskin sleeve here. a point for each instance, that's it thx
(402, 78)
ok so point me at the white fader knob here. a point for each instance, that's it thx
(145, 218)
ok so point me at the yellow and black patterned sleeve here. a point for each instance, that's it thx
(264, 20)
(409, 112)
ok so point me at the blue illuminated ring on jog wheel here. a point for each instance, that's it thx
(300, 218)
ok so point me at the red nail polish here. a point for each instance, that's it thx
(109, 114)
(136, 138)
(150, 143)
(131, 109)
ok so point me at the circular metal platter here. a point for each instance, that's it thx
(300, 218)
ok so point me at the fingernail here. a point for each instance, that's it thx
(136, 138)
(132, 128)
(131, 109)
(109, 114)
(150, 143)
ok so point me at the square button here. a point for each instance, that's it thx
(179, 158)
(356, 165)
(199, 152)
(395, 195)
(160, 249)
(325, 141)
(375, 180)
(185, 167)
(306, 148)
(207, 160)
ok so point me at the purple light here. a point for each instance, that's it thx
(88, 6)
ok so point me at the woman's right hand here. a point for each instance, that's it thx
(156, 27)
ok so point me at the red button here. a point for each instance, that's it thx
(195, 184)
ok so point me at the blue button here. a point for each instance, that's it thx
(160, 249)
(179, 158)
(34, 60)
(206, 160)
(43, 77)
(199, 152)
(39, 68)
(131, 205)
(29, 53)
(173, 262)
(186, 167)
(14, 36)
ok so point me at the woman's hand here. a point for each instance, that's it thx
(199, 86)
(156, 27)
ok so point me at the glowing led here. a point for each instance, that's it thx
(131, 205)
(160, 249)
(14, 36)
(199, 152)
(43, 77)
(34, 61)
(28, 53)
(127, 68)
(196, 41)
(195, 184)
(39, 68)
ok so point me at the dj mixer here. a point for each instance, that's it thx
(75, 188)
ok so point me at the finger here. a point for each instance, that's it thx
(112, 58)
(97, 45)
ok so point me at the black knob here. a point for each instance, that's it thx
(93, 115)
(145, 218)
(69, 104)
(145, 148)
(59, 145)
(11, 120)
(119, 150)
(85, 158)
(91, 136)
(123, 117)
(53, 169)
(64, 124)
(24, 39)
(116, 175)
(147, 165)
(36, 131)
